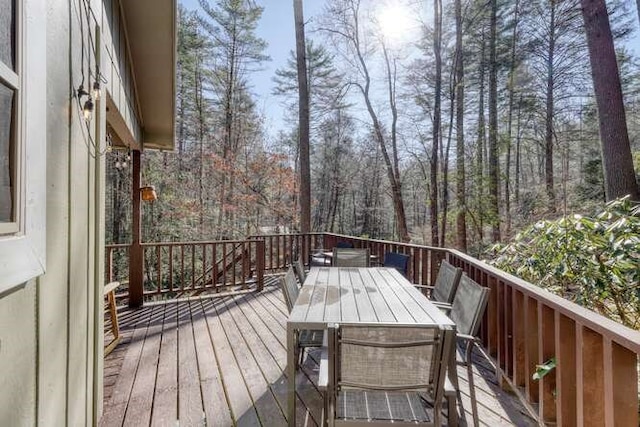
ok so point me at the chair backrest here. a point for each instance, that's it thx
(343, 244)
(446, 283)
(468, 306)
(289, 288)
(398, 261)
(349, 257)
(391, 358)
(298, 266)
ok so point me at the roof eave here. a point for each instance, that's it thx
(151, 29)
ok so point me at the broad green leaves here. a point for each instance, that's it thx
(593, 261)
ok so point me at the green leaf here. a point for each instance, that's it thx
(544, 369)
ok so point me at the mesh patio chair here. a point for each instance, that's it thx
(343, 244)
(349, 257)
(467, 310)
(443, 291)
(385, 375)
(307, 337)
(398, 261)
(298, 266)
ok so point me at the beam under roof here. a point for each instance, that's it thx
(151, 30)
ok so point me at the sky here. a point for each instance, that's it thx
(277, 28)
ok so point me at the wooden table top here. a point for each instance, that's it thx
(367, 295)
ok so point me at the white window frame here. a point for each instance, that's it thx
(23, 243)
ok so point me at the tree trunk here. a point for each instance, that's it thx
(461, 220)
(493, 125)
(437, 50)
(548, 151)
(200, 109)
(512, 91)
(619, 175)
(518, 159)
(303, 118)
(480, 145)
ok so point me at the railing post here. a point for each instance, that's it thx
(260, 262)
(136, 255)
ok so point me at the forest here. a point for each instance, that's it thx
(454, 123)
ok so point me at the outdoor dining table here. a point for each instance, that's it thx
(366, 295)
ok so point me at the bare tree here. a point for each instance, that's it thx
(303, 120)
(493, 124)
(437, 51)
(461, 221)
(344, 26)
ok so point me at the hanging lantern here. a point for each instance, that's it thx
(148, 193)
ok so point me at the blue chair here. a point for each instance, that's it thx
(343, 244)
(398, 261)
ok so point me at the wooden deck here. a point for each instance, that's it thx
(221, 362)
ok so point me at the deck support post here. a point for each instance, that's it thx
(136, 276)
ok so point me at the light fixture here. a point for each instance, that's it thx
(148, 193)
(96, 90)
(87, 109)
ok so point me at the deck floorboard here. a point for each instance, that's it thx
(222, 361)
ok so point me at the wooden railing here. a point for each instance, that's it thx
(595, 381)
(596, 378)
(280, 249)
(176, 269)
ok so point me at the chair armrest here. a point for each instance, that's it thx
(440, 304)
(466, 337)
(424, 287)
(449, 389)
(110, 287)
(323, 374)
(443, 306)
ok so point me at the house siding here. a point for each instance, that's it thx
(18, 357)
(117, 68)
(51, 328)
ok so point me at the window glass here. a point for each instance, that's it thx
(7, 32)
(6, 153)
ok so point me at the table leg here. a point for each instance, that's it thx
(453, 376)
(291, 374)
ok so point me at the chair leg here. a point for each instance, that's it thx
(472, 389)
(301, 351)
(452, 410)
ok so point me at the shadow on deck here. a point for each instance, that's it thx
(221, 361)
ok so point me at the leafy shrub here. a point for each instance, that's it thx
(593, 261)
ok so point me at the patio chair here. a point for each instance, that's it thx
(298, 266)
(385, 375)
(306, 338)
(443, 291)
(343, 244)
(349, 257)
(398, 261)
(110, 293)
(467, 310)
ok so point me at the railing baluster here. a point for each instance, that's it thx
(193, 266)
(158, 270)
(624, 379)
(204, 266)
(181, 267)
(565, 336)
(546, 350)
(531, 348)
(171, 268)
(591, 378)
